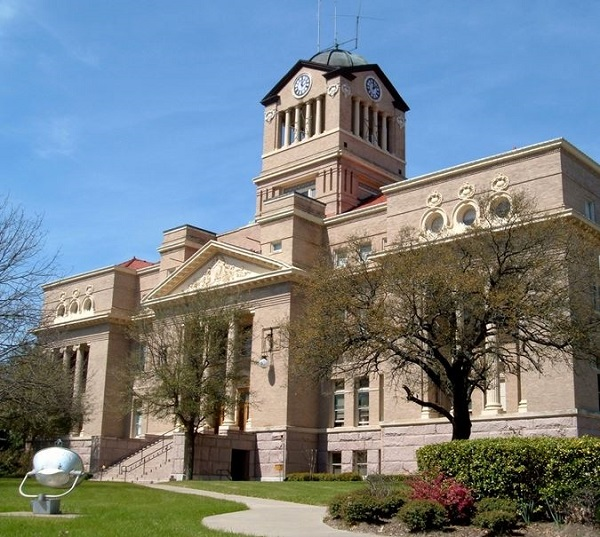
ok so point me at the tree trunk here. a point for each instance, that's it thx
(190, 451)
(461, 426)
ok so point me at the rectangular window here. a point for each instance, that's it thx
(590, 210)
(341, 258)
(338, 403)
(137, 424)
(596, 297)
(359, 463)
(364, 251)
(306, 189)
(276, 247)
(362, 401)
(335, 462)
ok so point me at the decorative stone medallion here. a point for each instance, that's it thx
(434, 199)
(467, 191)
(500, 183)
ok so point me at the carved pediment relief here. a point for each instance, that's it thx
(218, 271)
(218, 264)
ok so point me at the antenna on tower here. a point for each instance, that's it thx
(336, 43)
(318, 26)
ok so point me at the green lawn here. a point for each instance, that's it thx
(113, 510)
(308, 492)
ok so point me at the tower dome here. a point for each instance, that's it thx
(337, 57)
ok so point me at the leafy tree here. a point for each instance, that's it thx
(511, 291)
(23, 269)
(188, 362)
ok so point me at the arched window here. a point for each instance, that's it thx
(87, 306)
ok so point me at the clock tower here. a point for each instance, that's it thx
(334, 131)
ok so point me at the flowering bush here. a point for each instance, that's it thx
(455, 497)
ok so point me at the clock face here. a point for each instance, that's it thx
(302, 85)
(373, 88)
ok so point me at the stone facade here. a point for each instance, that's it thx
(334, 166)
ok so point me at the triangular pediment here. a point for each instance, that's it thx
(217, 265)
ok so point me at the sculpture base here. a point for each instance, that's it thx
(45, 506)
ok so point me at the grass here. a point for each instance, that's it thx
(307, 492)
(115, 510)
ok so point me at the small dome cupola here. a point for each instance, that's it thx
(337, 57)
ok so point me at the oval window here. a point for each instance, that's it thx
(436, 224)
(502, 208)
(469, 216)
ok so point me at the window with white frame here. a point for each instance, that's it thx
(276, 247)
(590, 210)
(362, 401)
(138, 423)
(338, 403)
(335, 462)
(306, 189)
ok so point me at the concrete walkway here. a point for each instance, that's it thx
(267, 518)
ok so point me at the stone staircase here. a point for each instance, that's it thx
(148, 465)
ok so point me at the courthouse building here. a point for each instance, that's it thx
(333, 166)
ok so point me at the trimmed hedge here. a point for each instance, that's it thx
(306, 476)
(536, 471)
(363, 506)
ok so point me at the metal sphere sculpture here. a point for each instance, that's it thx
(54, 467)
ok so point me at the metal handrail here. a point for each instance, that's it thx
(144, 459)
(157, 440)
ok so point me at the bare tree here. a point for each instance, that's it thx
(36, 395)
(189, 358)
(513, 291)
(23, 269)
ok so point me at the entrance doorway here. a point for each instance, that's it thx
(240, 466)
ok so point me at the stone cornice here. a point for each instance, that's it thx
(488, 162)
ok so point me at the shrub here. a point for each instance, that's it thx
(497, 522)
(498, 515)
(497, 504)
(306, 476)
(448, 492)
(363, 506)
(423, 515)
(535, 472)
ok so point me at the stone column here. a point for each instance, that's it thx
(66, 359)
(78, 377)
(319, 116)
(492, 394)
(229, 422)
(308, 121)
(286, 128)
(297, 124)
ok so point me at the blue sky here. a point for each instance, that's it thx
(122, 118)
